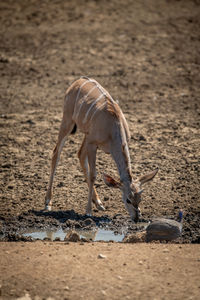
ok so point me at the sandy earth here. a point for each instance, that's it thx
(44, 270)
(146, 54)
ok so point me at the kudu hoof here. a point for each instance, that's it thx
(47, 208)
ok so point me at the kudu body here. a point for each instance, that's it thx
(90, 108)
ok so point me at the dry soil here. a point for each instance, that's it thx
(146, 54)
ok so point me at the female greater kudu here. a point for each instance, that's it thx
(90, 108)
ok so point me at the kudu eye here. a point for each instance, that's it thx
(128, 201)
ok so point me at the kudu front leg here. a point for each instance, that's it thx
(83, 158)
(91, 154)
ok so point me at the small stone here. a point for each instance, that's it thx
(25, 297)
(101, 256)
(138, 237)
(165, 250)
(103, 292)
(57, 239)
(46, 239)
(89, 222)
(66, 288)
(119, 277)
(72, 236)
(140, 262)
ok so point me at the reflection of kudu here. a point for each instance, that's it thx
(90, 235)
(90, 107)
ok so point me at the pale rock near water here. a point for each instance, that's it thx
(138, 237)
(72, 236)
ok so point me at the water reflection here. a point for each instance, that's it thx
(92, 235)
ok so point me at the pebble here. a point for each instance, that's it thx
(102, 256)
(103, 292)
(72, 236)
(165, 250)
(25, 297)
(66, 288)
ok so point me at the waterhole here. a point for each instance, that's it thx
(92, 235)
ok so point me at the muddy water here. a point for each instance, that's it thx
(90, 235)
(104, 232)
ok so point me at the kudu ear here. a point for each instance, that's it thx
(111, 182)
(145, 178)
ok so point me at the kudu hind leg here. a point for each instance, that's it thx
(65, 130)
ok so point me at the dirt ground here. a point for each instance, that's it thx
(146, 54)
(52, 270)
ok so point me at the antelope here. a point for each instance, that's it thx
(91, 109)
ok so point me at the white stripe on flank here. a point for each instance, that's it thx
(85, 97)
(102, 89)
(97, 109)
(92, 105)
(80, 89)
(99, 87)
(106, 93)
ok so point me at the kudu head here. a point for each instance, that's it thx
(131, 192)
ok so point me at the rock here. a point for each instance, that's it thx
(103, 292)
(72, 236)
(25, 297)
(101, 256)
(57, 239)
(89, 222)
(163, 229)
(138, 237)
(165, 250)
(159, 229)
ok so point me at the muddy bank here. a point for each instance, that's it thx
(12, 228)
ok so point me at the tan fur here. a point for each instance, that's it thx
(127, 162)
(88, 105)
